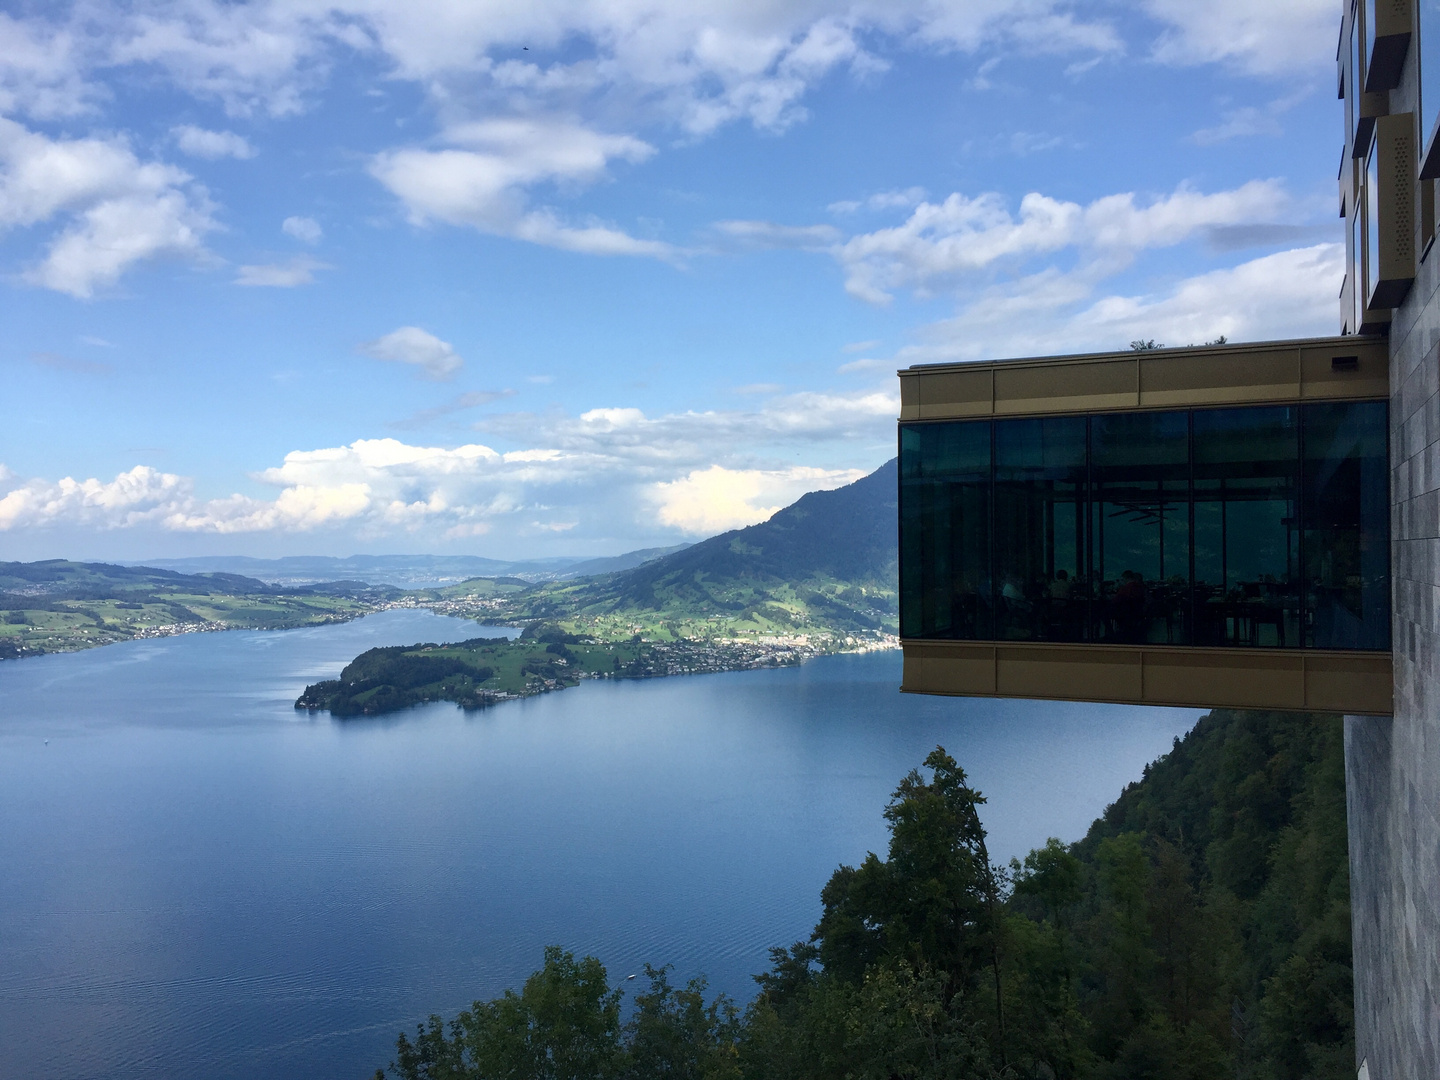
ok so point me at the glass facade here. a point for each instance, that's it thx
(1263, 527)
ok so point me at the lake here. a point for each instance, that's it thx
(201, 882)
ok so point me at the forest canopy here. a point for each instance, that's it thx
(1201, 929)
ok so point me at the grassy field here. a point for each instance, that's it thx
(829, 610)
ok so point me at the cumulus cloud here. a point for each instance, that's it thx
(1280, 37)
(306, 230)
(562, 114)
(211, 145)
(607, 472)
(117, 209)
(1286, 294)
(713, 500)
(436, 359)
(42, 70)
(253, 58)
(482, 180)
(697, 65)
(287, 275)
(135, 497)
(963, 234)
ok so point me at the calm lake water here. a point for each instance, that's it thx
(199, 882)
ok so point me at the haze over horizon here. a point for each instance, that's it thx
(294, 277)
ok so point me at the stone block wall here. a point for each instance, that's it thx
(1392, 765)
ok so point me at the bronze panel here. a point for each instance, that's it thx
(910, 397)
(1350, 684)
(940, 668)
(965, 392)
(1371, 379)
(1168, 378)
(1321, 681)
(1236, 678)
(1079, 673)
(1216, 378)
(1069, 386)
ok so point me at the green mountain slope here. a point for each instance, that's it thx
(826, 563)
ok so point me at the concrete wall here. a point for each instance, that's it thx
(1392, 766)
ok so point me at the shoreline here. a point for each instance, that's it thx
(482, 672)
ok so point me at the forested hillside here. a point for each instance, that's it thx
(1199, 931)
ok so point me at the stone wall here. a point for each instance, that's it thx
(1392, 766)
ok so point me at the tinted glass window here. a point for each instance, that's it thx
(1256, 527)
(1347, 534)
(945, 530)
(1140, 527)
(1041, 586)
(1247, 540)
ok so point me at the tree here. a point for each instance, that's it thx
(675, 1035)
(563, 1025)
(933, 903)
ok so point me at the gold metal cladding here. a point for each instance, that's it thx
(1309, 680)
(1271, 372)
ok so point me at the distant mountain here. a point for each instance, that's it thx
(61, 577)
(406, 571)
(830, 559)
(613, 563)
(56, 579)
(59, 605)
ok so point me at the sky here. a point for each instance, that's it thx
(525, 278)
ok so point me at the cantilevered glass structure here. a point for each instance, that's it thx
(1223, 539)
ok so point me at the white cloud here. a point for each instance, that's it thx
(260, 57)
(1278, 37)
(41, 70)
(483, 180)
(1287, 294)
(306, 230)
(881, 200)
(562, 113)
(135, 497)
(437, 359)
(287, 275)
(964, 235)
(713, 500)
(119, 210)
(607, 472)
(211, 145)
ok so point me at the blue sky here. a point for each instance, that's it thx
(523, 279)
